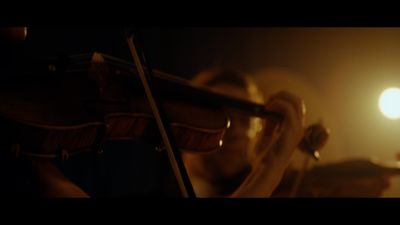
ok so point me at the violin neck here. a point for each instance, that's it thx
(177, 88)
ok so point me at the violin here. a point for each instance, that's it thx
(75, 103)
(98, 90)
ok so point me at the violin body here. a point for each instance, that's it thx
(101, 97)
(43, 115)
(123, 105)
(67, 109)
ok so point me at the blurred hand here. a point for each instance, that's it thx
(52, 183)
(276, 145)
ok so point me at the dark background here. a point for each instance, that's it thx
(179, 51)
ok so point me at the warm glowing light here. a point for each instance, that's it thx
(389, 103)
(25, 32)
(228, 124)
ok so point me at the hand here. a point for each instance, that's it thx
(52, 183)
(277, 143)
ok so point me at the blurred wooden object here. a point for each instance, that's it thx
(352, 178)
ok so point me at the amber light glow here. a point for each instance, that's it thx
(389, 103)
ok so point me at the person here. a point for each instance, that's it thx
(255, 152)
(251, 163)
(255, 162)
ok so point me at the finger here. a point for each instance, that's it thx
(280, 139)
(267, 140)
(293, 117)
(297, 103)
(268, 137)
(291, 129)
